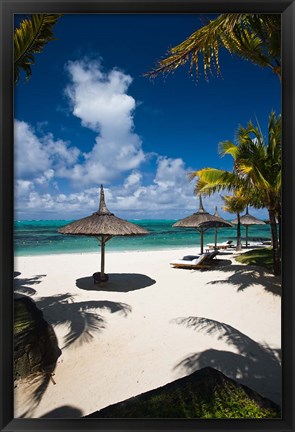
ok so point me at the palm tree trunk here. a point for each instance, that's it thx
(239, 240)
(275, 243)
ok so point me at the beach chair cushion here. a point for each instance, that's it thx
(198, 260)
(185, 262)
(190, 257)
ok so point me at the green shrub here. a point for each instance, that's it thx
(206, 393)
(260, 257)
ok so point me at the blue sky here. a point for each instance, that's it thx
(88, 116)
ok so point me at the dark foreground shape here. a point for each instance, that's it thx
(98, 278)
(35, 343)
(206, 393)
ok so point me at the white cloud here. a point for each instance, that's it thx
(98, 98)
(23, 188)
(45, 178)
(145, 202)
(169, 195)
(133, 181)
(30, 155)
(57, 205)
(101, 102)
(170, 172)
(39, 156)
(61, 153)
(170, 191)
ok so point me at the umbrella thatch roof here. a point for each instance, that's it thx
(102, 223)
(248, 219)
(202, 219)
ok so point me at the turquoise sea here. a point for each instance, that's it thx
(41, 237)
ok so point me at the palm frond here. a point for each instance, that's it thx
(256, 175)
(254, 37)
(192, 175)
(30, 38)
(235, 203)
(274, 137)
(212, 180)
(244, 42)
(228, 147)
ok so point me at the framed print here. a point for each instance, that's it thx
(147, 197)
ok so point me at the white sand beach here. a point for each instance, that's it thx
(149, 325)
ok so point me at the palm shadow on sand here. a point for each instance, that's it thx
(22, 285)
(83, 320)
(81, 317)
(245, 276)
(252, 364)
(118, 282)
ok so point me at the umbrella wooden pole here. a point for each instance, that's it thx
(102, 261)
(102, 240)
(215, 238)
(246, 235)
(202, 240)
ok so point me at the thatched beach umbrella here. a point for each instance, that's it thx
(247, 220)
(201, 221)
(103, 225)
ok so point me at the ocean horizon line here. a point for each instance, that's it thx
(72, 220)
(67, 220)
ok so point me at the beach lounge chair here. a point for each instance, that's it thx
(223, 245)
(195, 261)
(212, 255)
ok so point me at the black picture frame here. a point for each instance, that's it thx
(10, 7)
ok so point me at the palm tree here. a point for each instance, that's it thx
(257, 171)
(261, 163)
(236, 204)
(30, 38)
(254, 37)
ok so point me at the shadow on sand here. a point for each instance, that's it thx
(21, 284)
(254, 365)
(82, 319)
(245, 276)
(65, 411)
(118, 282)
